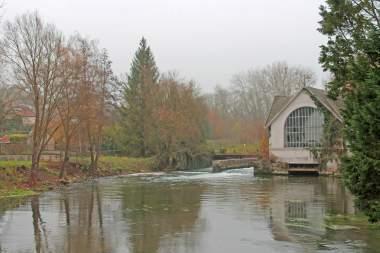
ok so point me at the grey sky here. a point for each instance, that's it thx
(205, 40)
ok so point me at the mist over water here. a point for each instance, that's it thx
(199, 211)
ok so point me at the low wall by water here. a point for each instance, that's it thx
(272, 168)
(261, 167)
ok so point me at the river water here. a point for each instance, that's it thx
(186, 212)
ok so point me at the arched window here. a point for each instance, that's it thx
(304, 128)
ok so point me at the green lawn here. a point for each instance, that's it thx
(108, 162)
(356, 221)
(221, 147)
(10, 193)
(13, 180)
(122, 163)
(15, 164)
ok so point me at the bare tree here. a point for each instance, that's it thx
(34, 50)
(7, 99)
(102, 101)
(69, 103)
(255, 89)
(180, 116)
(237, 113)
(7, 94)
(95, 78)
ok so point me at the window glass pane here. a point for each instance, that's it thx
(303, 128)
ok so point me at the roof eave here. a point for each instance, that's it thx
(286, 105)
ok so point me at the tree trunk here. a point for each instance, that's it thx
(97, 150)
(92, 164)
(95, 165)
(65, 160)
(34, 168)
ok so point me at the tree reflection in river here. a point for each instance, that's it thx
(6, 204)
(37, 222)
(84, 231)
(159, 214)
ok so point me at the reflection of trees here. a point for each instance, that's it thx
(39, 229)
(36, 224)
(158, 211)
(78, 219)
(84, 231)
(9, 203)
(66, 204)
(338, 198)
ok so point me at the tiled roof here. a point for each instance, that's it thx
(4, 139)
(24, 111)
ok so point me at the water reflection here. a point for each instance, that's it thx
(188, 212)
(83, 214)
(159, 214)
(299, 206)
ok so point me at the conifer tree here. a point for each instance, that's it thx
(137, 110)
(352, 55)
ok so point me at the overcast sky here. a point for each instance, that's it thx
(205, 40)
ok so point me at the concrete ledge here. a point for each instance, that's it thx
(222, 165)
(267, 167)
(260, 166)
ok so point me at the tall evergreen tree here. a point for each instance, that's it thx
(137, 110)
(352, 54)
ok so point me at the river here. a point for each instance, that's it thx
(183, 212)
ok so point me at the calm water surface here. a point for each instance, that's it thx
(185, 212)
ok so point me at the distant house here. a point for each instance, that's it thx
(5, 139)
(295, 125)
(26, 114)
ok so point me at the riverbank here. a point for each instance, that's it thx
(14, 175)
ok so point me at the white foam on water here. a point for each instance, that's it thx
(199, 175)
(143, 174)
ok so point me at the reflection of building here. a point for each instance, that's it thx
(295, 210)
(300, 205)
(295, 125)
